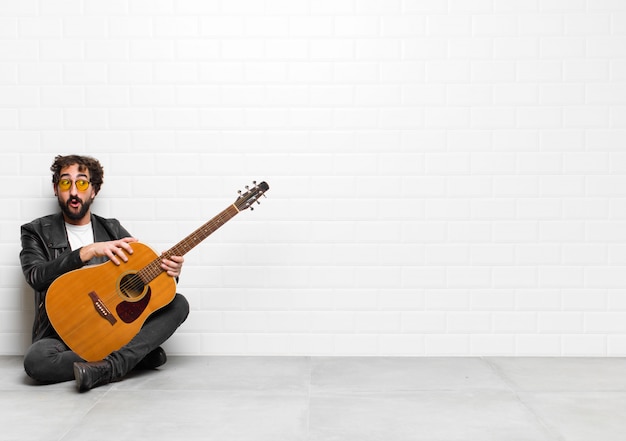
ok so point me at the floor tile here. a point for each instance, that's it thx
(580, 416)
(43, 413)
(194, 415)
(563, 374)
(425, 416)
(276, 374)
(388, 374)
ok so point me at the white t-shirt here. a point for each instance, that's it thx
(79, 235)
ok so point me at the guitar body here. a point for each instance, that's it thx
(98, 309)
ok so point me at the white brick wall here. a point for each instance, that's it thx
(448, 177)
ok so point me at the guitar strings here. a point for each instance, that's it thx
(137, 281)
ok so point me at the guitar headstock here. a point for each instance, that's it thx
(251, 195)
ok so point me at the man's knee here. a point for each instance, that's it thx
(43, 361)
(181, 305)
(36, 361)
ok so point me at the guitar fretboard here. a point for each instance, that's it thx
(153, 269)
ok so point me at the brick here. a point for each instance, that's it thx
(494, 25)
(493, 71)
(468, 322)
(584, 300)
(516, 186)
(468, 277)
(85, 27)
(41, 119)
(464, 95)
(515, 322)
(514, 277)
(26, 50)
(541, 71)
(447, 345)
(450, 25)
(561, 322)
(490, 118)
(492, 254)
(36, 27)
(578, 344)
(538, 345)
(541, 24)
(570, 277)
(585, 209)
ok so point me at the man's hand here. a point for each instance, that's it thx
(172, 266)
(115, 250)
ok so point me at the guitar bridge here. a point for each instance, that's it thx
(101, 308)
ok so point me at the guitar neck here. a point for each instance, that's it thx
(153, 269)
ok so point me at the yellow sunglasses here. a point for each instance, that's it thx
(66, 184)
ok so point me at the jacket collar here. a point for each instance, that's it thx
(57, 237)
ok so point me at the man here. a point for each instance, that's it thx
(55, 244)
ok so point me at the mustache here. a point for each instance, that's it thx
(74, 199)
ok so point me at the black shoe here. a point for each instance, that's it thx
(153, 360)
(92, 374)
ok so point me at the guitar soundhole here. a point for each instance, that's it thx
(131, 286)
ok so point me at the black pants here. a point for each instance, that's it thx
(49, 360)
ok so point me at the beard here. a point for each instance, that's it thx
(71, 213)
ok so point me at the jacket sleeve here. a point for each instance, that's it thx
(39, 267)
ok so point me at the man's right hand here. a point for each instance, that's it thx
(114, 250)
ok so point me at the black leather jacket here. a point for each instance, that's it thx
(46, 254)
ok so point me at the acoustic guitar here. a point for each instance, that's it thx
(98, 309)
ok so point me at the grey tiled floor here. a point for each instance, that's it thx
(323, 399)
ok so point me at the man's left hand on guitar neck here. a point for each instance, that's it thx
(173, 266)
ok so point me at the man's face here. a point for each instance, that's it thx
(75, 194)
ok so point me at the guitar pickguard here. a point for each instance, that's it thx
(128, 312)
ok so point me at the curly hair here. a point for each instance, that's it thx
(96, 172)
